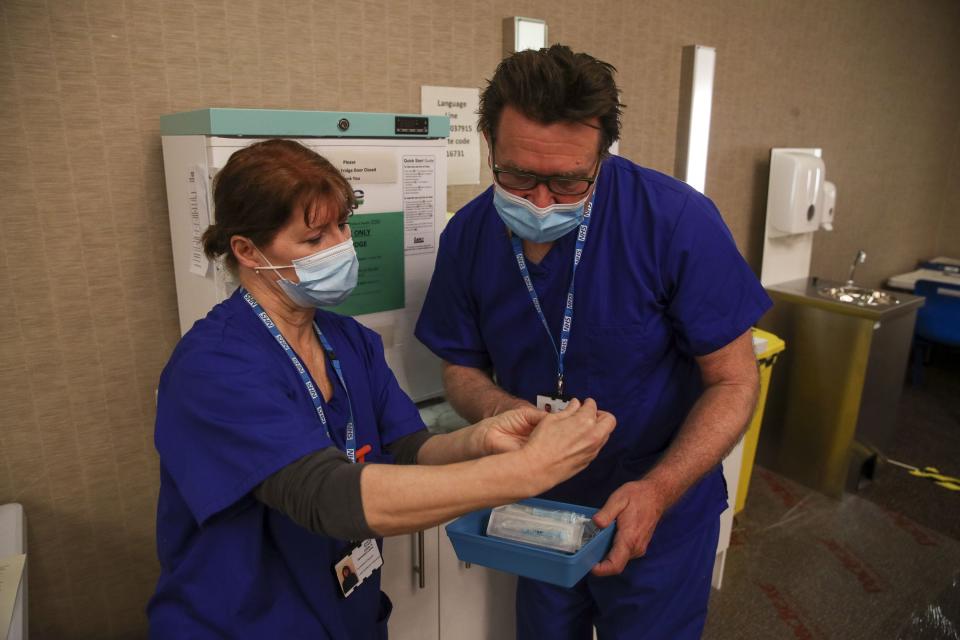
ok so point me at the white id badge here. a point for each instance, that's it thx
(551, 404)
(358, 565)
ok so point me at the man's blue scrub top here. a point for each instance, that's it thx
(661, 281)
(232, 410)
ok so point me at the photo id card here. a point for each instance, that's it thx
(551, 404)
(357, 565)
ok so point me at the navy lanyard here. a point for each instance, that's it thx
(351, 436)
(568, 309)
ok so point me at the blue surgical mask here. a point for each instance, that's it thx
(536, 224)
(326, 277)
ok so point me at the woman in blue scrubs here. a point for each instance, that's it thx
(277, 423)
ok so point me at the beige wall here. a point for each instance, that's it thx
(84, 245)
(948, 236)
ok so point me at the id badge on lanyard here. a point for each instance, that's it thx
(551, 404)
(363, 558)
(359, 562)
(556, 399)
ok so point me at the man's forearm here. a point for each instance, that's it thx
(474, 395)
(448, 448)
(712, 428)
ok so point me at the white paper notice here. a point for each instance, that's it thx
(463, 145)
(418, 203)
(199, 206)
(11, 570)
(364, 167)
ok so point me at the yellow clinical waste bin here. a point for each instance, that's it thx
(766, 357)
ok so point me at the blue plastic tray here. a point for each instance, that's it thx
(471, 543)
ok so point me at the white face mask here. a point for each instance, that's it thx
(327, 277)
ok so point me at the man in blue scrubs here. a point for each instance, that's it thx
(579, 274)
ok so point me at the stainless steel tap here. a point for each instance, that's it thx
(860, 259)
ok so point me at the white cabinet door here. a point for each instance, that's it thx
(416, 611)
(475, 603)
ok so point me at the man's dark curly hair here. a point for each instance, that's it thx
(554, 85)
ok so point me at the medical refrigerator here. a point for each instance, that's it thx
(396, 165)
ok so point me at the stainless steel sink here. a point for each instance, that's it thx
(859, 296)
(832, 402)
(853, 294)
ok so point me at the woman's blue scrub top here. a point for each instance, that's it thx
(660, 282)
(232, 410)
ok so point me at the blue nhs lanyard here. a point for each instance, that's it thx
(351, 435)
(568, 309)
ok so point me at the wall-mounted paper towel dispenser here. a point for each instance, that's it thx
(796, 182)
(799, 202)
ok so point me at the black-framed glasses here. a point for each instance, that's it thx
(558, 185)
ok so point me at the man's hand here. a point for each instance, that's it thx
(637, 507)
(508, 431)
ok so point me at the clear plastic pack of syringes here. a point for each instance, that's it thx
(556, 529)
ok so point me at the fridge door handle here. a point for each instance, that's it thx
(420, 568)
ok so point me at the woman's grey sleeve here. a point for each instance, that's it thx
(404, 450)
(320, 492)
